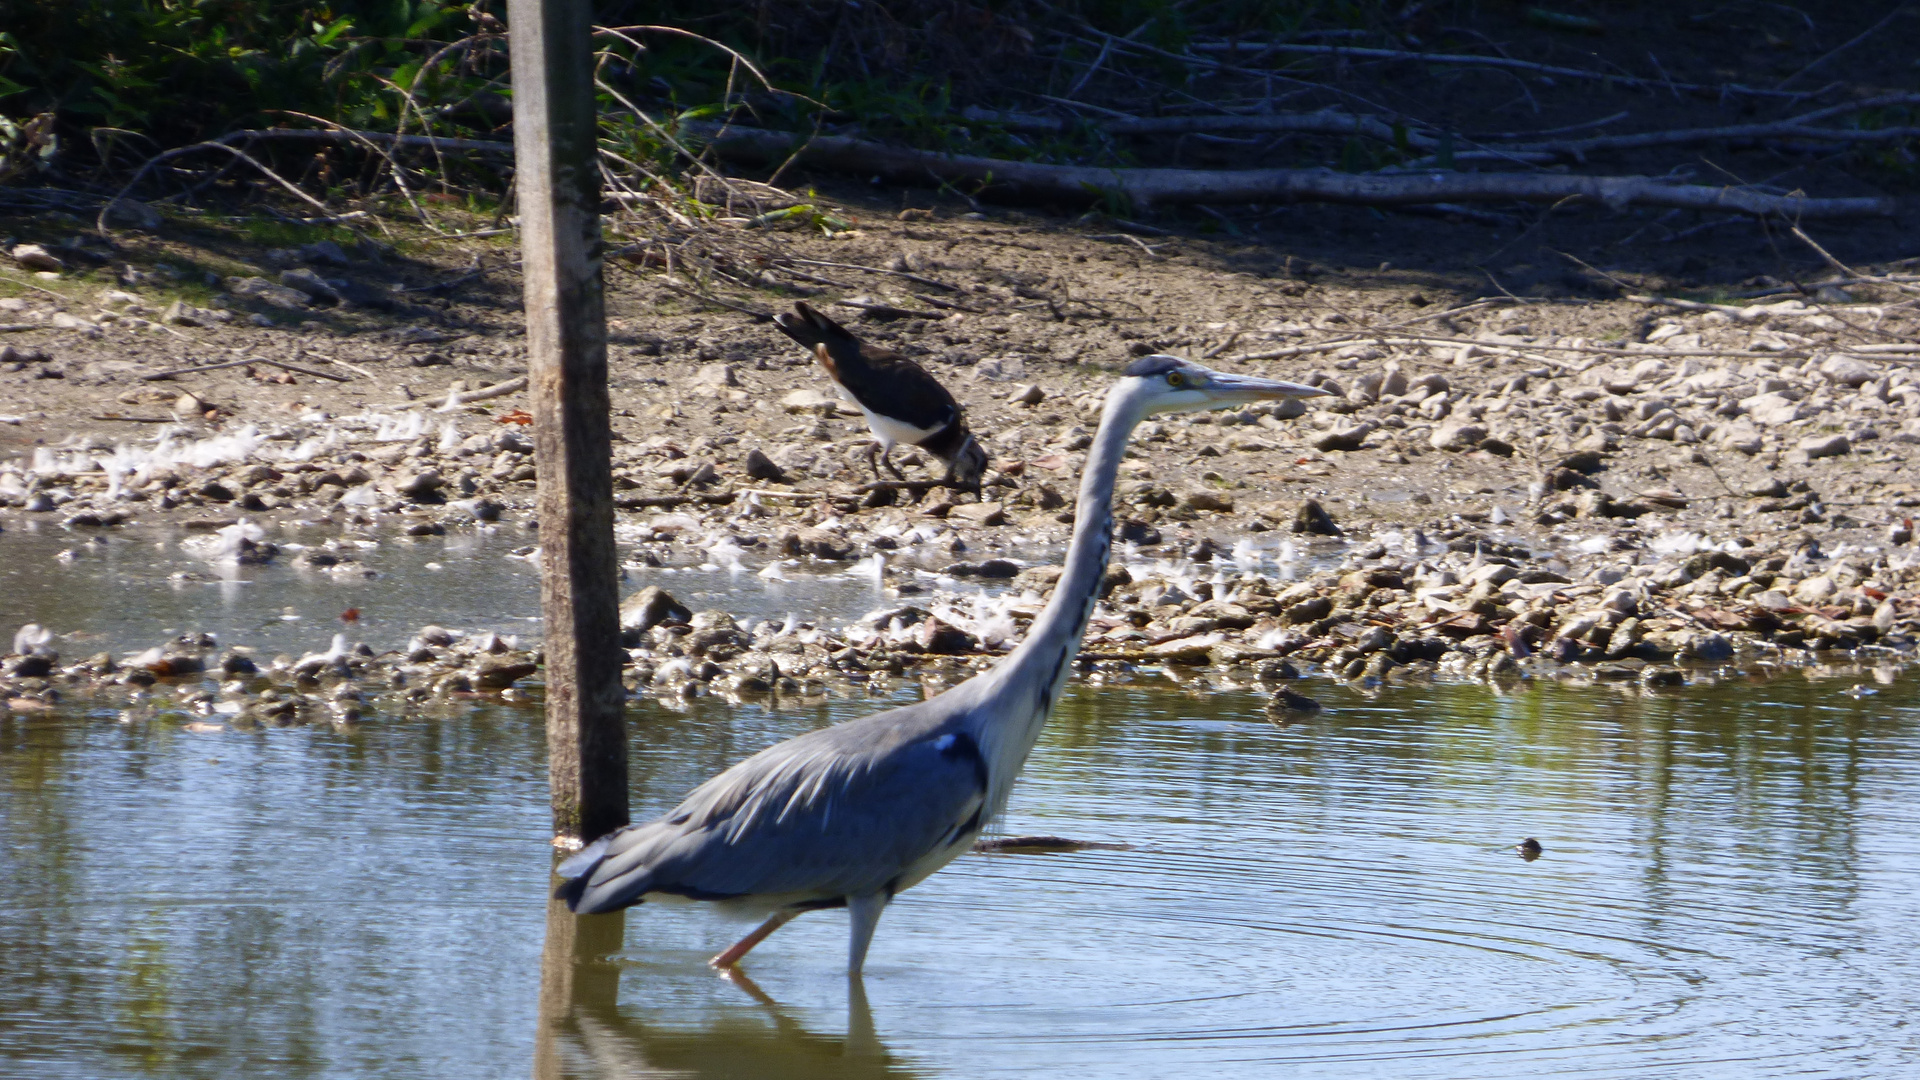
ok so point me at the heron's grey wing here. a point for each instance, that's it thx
(842, 811)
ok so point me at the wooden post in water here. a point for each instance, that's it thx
(558, 179)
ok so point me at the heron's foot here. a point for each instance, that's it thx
(726, 960)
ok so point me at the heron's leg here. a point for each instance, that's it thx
(864, 913)
(745, 945)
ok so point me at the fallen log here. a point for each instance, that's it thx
(1029, 181)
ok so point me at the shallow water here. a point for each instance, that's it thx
(1729, 887)
(124, 590)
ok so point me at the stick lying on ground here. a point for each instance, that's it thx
(192, 370)
(1021, 180)
(457, 398)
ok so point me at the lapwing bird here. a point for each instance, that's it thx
(902, 401)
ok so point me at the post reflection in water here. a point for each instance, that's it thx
(582, 1034)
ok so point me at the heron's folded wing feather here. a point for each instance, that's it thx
(834, 812)
(836, 824)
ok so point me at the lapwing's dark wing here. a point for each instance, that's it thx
(881, 380)
(890, 384)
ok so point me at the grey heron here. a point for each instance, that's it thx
(851, 815)
(902, 401)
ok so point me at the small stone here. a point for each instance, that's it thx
(1815, 590)
(1597, 442)
(1275, 670)
(818, 543)
(644, 610)
(717, 375)
(1844, 370)
(990, 568)
(1286, 700)
(134, 213)
(1821, 446)
(808, 401)
(259, 288)
(934, 636)
(1030, 394)
(1346, 440)
(422, 486)
(1216, 501)
(317, 288)
(1622, 601)
(1309, 610)
(498, 674)
(35, 257)
(983, 514)
(1458, 436)
(761, 467)
(1772, 410)
(235, 663)
(1711, 648)
(181, 313)
(1313, 518)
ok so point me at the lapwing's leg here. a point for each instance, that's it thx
(873, 459)
(745, 945)
(887, 460)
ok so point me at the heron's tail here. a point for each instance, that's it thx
(578, 869)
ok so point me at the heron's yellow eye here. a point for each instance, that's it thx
(1174, 378)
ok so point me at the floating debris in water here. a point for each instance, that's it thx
(1529, 849)
(1043, 845)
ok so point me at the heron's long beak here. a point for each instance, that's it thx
(1250, 388)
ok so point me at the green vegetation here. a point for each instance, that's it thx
(91, 89)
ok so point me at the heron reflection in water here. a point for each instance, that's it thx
(584, 1031)
(851, 815)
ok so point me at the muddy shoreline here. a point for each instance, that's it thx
(1501, 484)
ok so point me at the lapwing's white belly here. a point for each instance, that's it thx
(894, 432)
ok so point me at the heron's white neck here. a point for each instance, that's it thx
(1029, 679)
(1065, 618)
